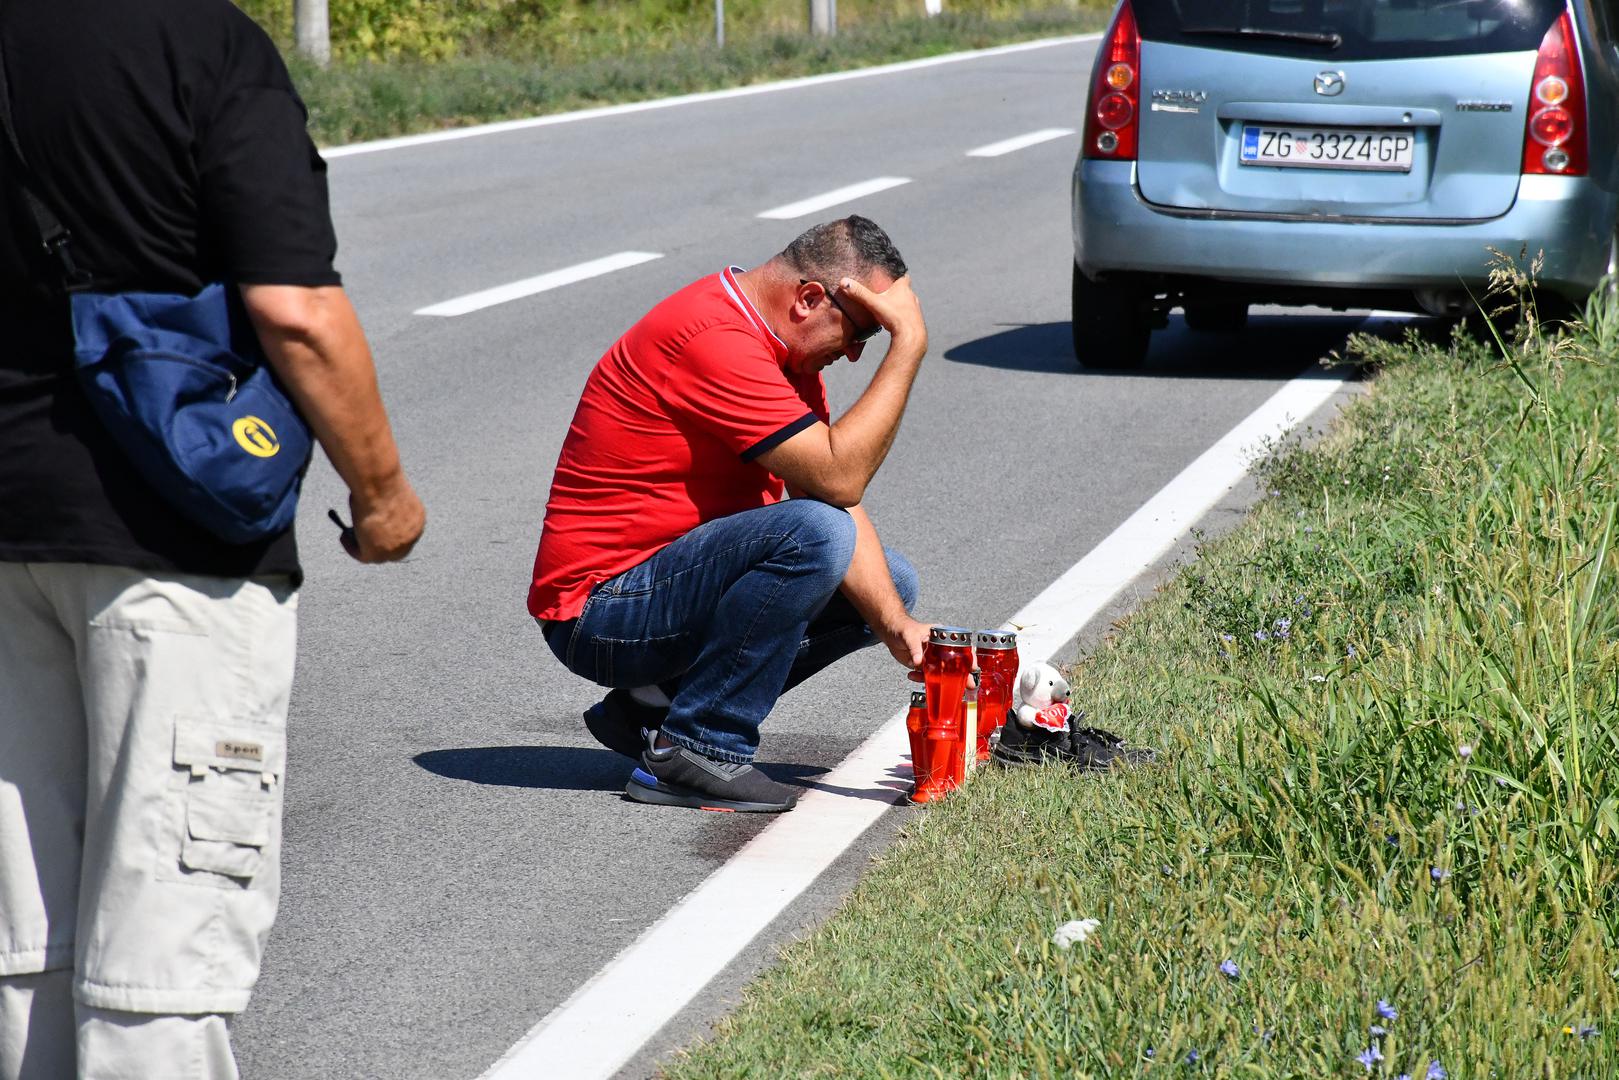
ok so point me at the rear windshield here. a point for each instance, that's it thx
(1350, 29)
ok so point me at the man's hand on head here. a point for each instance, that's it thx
(896, 308)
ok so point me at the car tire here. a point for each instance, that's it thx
(1110, 328)
(1226, 318)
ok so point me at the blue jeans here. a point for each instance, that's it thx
(726, 618)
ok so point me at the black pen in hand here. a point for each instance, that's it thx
(350, 542)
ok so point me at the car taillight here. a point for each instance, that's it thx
(1112, 115)
(1554, 135)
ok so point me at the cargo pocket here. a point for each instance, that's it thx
(227, 804)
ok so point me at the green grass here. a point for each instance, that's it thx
(357, 100)
(1387, 704)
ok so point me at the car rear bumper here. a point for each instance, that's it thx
(1116, 231)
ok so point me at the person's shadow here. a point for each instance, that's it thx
(561, 768)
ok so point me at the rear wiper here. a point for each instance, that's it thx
(1327, 38)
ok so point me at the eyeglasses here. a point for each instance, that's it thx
(861, 333)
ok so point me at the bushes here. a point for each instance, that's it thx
(438, 29)
(366, 100)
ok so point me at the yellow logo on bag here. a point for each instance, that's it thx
(256, 437)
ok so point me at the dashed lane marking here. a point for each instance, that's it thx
(1020, 142)
(477, 301)
(833, 198)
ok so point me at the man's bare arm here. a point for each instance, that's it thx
(870, 588)
(313, 340)
(835, 463)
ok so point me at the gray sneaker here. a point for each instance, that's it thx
(676, 776)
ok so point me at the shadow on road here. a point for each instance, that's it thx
(1272, 347)
(563, 768)
(560, 768)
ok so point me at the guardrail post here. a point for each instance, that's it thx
(823, 17)
(311, 31)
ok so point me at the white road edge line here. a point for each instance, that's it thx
(1020, 142)
(476, 130)
(833, 198)
(605, 1022)
(500, 294)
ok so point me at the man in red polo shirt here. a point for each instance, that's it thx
(671, 569)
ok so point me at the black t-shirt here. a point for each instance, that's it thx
(169, 139)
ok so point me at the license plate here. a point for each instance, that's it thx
(1328, 148)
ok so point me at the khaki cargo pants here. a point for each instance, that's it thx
(142, 751)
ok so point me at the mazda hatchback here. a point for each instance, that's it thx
(1341, 153)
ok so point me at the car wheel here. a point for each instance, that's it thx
(1110, 328)
(1227, 318)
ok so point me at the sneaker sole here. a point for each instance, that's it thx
(646, 788)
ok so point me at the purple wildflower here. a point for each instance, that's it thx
(1149, 1052)
(1351, 652)
(1378, 1030)
(1587, 1031)
(1437, 1071)
(1284, 628)
(1369, 1056)
(1387, 1011)
(1192, 1056)
(1260, 635)
(1229, 969)
(1438, 873)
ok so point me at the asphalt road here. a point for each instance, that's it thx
(458, 857)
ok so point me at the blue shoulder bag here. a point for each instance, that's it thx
(182, 386)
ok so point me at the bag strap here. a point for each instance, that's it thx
(55, 236)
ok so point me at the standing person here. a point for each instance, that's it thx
(145, 664)
(671, 570)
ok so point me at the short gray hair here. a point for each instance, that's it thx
(849, 247)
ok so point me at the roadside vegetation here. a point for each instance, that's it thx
(1380, 841)
(403, 66)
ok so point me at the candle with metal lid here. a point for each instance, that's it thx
(916, 722)
(947, 662)
(997, 655)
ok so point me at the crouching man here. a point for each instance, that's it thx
(671, 569)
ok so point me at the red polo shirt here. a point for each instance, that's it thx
(665, 438)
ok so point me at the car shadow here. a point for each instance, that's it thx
(561, 768)
(1272, 346)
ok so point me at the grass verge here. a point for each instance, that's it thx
(1382, 841)
(350, 102)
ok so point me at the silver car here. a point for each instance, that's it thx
(1344, 153)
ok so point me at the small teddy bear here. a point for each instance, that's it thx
(1043, 727)
(1042, 698)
